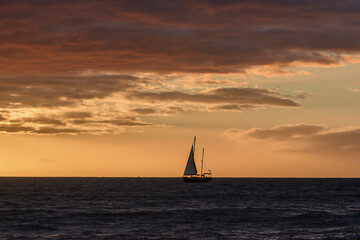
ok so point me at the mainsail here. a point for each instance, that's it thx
(190, 166)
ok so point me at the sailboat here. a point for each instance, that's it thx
(190, 173)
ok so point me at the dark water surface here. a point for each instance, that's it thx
(167, 208)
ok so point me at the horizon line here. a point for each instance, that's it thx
(220, 177)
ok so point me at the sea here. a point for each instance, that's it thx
(168, 208)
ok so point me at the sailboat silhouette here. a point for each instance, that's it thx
(190, 173)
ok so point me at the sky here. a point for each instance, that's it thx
(120, 88)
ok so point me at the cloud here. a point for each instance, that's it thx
(300, 94)
(342, 140)
(20, 128)
(144, 111)
(15, 128)
(43, 120)
(177, 36)
(215, 82)
(90, 65)
(124, 122)
(50, 130)
(285, 132)
(232, 107)
(276, 70)
(55, 91)
(55, 124)
(355, 90)
(119, 121)
(98, 101)
(169, 110)
(51, 104)
(78, 115)
(303, 138)
(255, 96)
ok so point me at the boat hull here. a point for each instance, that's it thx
(196, 179)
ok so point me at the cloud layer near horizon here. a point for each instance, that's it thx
(174, 36)
(303, 138)
(81, 105)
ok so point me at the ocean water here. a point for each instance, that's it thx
(167, 208)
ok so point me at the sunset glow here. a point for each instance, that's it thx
(120, 88)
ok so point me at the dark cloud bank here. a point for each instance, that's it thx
(166, 36)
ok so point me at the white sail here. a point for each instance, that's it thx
(190, 166)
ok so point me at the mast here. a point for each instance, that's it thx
(202, 162)
(194, 146)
